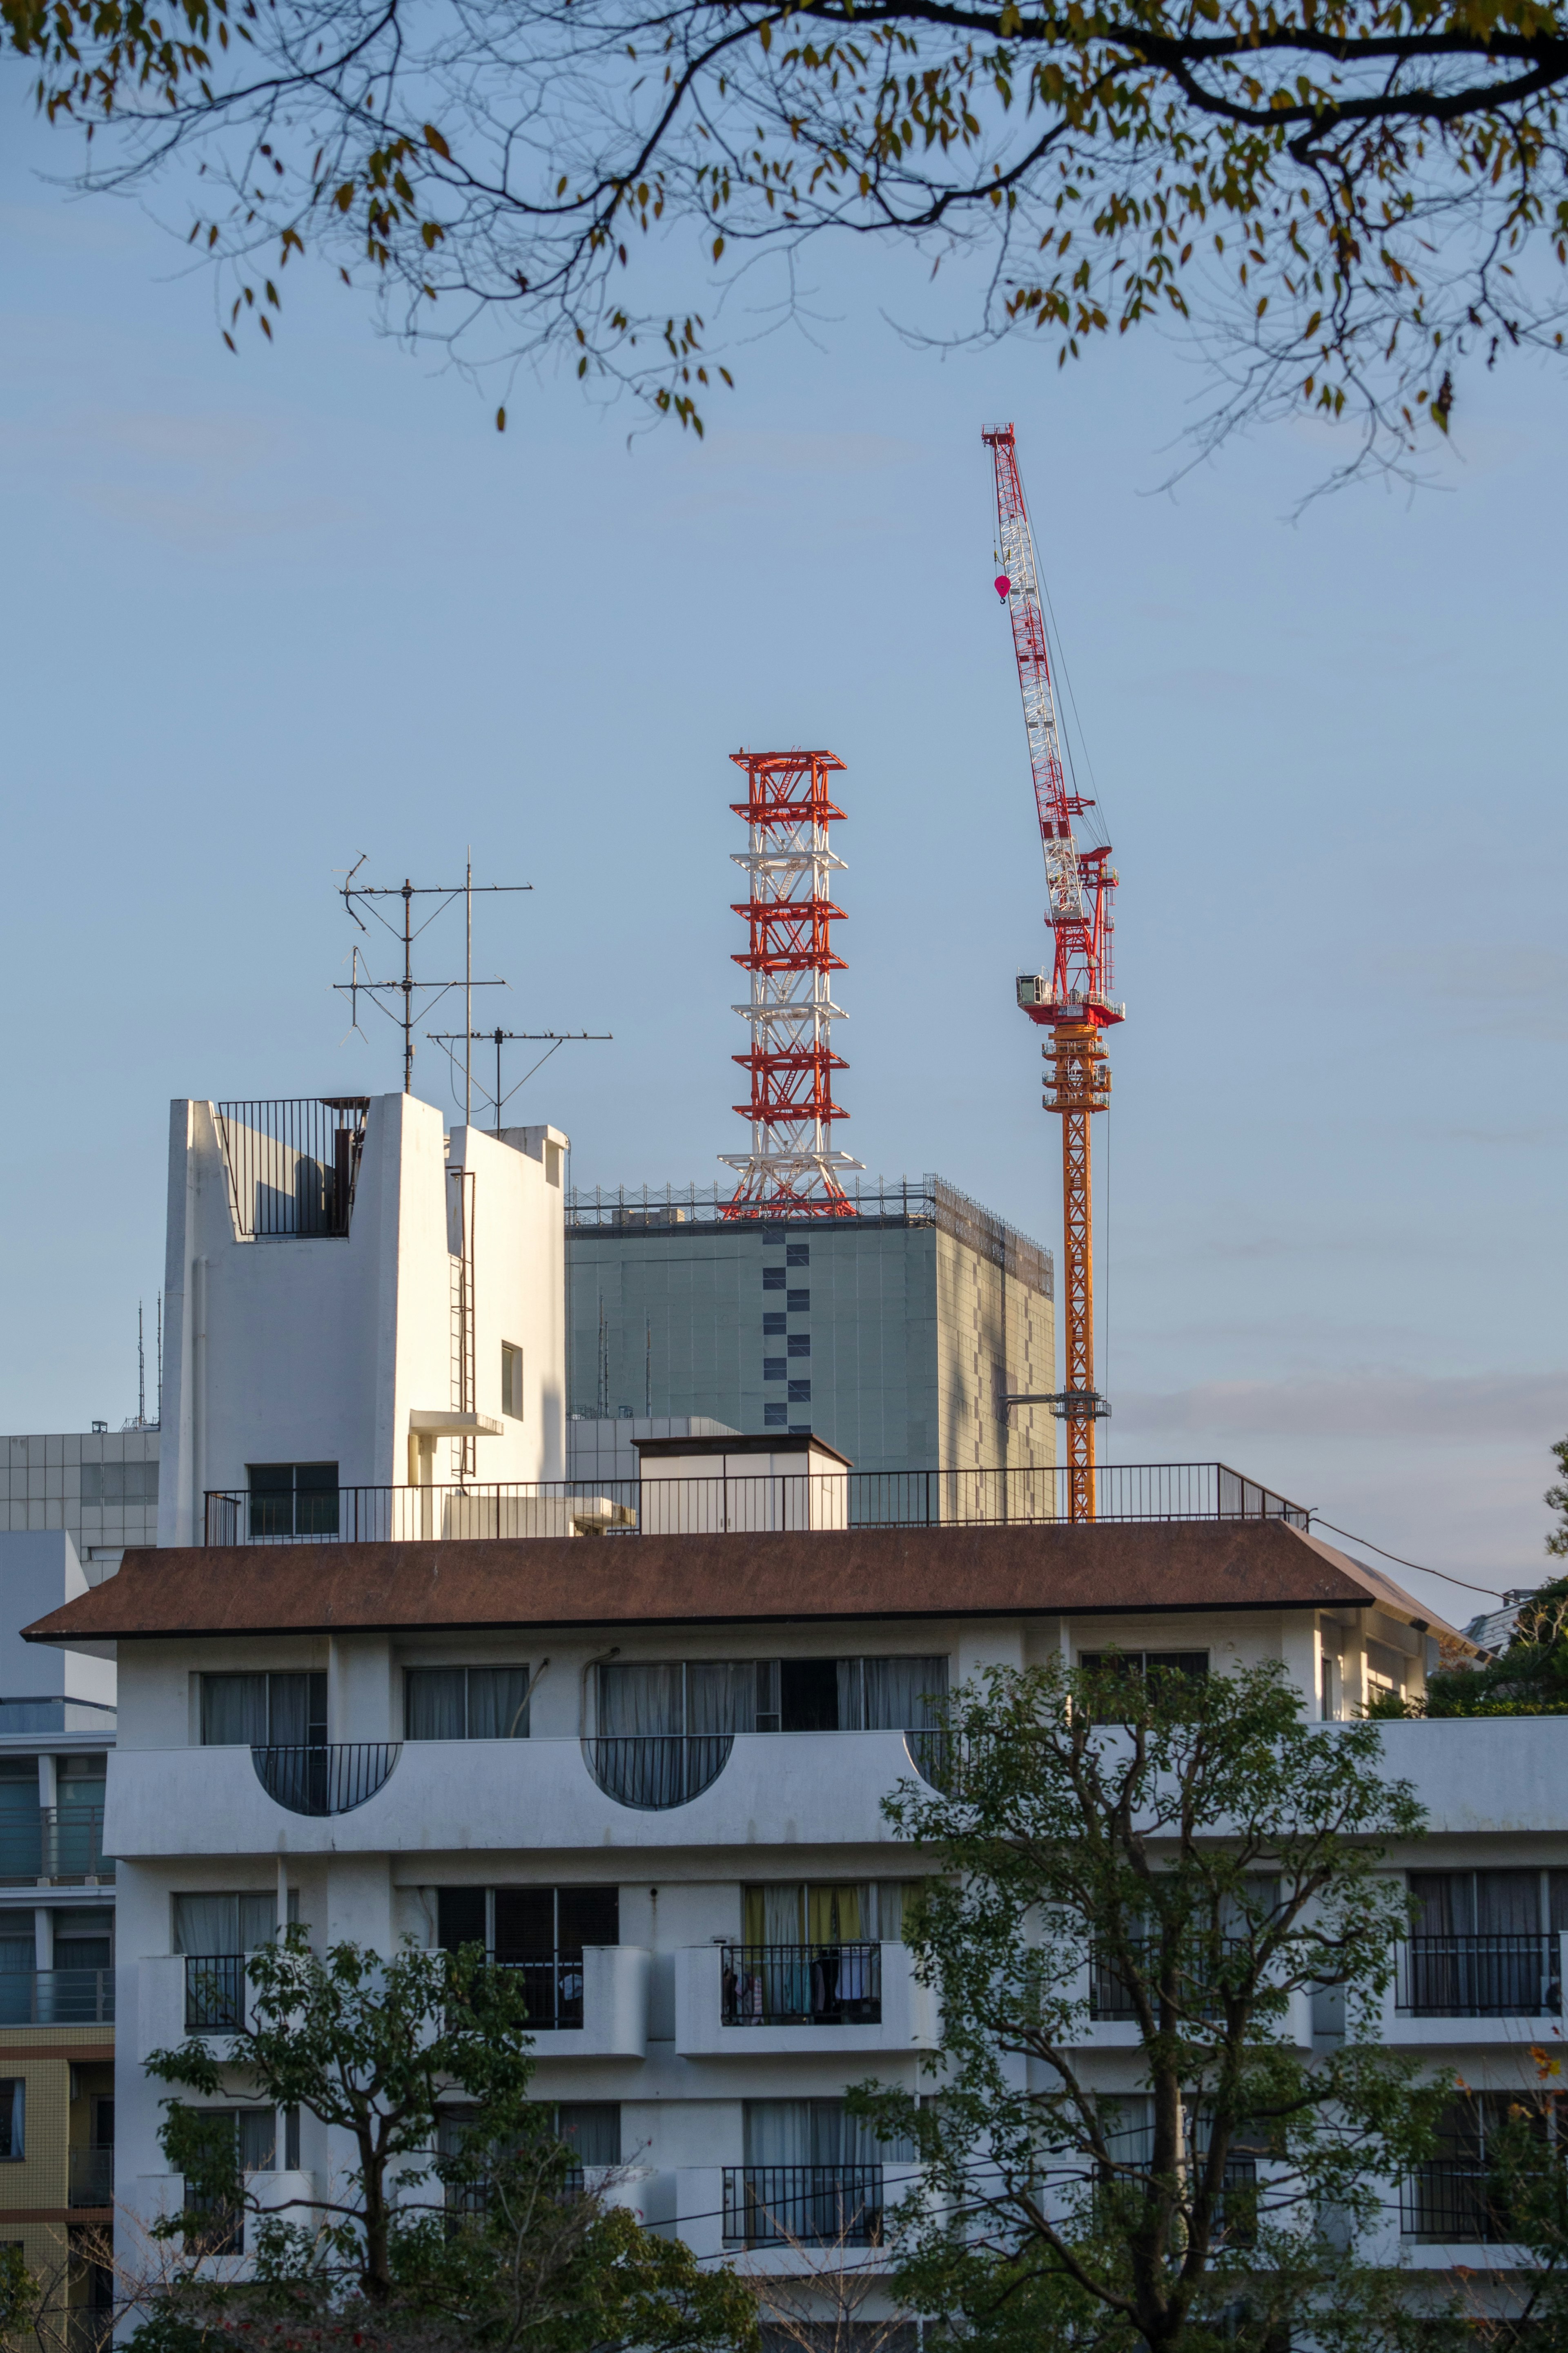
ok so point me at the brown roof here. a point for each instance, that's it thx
(891, 1573)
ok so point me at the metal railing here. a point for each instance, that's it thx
(291, 1165)
(214, 1993)
(552, 1986)
(1452, 2198)
(1497, 1976)
(329, 1779)
(57, 1997)
(817, 2205)
(56, 1842)
(802, 1985)
(92, 2177)
(1110, 1995)
(655, 1770)
(1149, 1493)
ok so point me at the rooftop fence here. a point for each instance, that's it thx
(773, 1502)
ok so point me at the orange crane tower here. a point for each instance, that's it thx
(1072, 1000)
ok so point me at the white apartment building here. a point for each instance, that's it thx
(356, 1304)
(646, 1769)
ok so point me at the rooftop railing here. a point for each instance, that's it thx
(1128, 1493)
(291, 1165)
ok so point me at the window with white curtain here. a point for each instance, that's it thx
(865, 1694)
(211, 1925)
(1490, 1903)
(815, 2131)
(653, 1696)
(466, 1703)
(264, 1711)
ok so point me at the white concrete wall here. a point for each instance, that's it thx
(318, 1349)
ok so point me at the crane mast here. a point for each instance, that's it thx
(1073, 1000)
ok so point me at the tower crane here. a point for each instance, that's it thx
(1072, 999)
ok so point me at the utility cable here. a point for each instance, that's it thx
(1418, 1566)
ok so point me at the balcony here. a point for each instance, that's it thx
(802, 2205)
(57, 1998)
(331, 1779)
(57, 1844)
(826, 1501)
(802, 1985)
(655, 1770)
(760, 2000)
(1514, 1976)
(1452, 2200)
(92, 2177)
(216, 1988)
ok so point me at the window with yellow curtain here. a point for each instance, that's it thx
(824, 1911)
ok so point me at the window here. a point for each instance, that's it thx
(590, 2130)
(797, 1254)
(513, 1922)
(773, 1277)
(466, 1703)
(849, 1695)
(226, 1925)
(775, 1417)
(1490, 1903)
(13, 2117)
(256, 2149)
(793, 1912)
(1385, 1668)
(512, 1379)
(800, 1344)
(294, 1499)
(1138, 1662)
(773, 1324)
(799, 1302)
(120, 1482)
(85, 1939)
(281, 1711)
(800, 1392)
(774, 1368)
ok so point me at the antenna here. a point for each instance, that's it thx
(353, 988)
(497, 1038)
(141, 1373)
(160, 1360)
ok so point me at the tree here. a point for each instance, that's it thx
(1530, 1678)
(462, 2222)
(1187, 1855)
(1350, 201)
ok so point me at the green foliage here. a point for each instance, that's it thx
(1351, 201)
(1207, 1861)
(1530, 1678)
(21, 2295)
(425, 2249)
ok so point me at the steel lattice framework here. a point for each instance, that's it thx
(791, 1168)
(1073, 1001)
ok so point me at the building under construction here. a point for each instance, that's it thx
(895, 1333)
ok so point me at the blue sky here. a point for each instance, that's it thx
(264, 615)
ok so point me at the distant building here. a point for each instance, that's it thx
(895, 1334)
(607, 1449)
(100, 1486)
(356, 1304)
(57, 1947)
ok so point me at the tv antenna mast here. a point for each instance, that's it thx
(498, 1038)
(404, 1015)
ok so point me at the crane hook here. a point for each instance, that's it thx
(1002, 585)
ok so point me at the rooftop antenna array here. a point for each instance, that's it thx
(367, 893)
(141, 1421)
(498, 1038)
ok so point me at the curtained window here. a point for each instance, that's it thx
(264, 1711)
(466, 1703)
(813, 2132)
(228, 1924)
(1487, 1902)
(590, 2130)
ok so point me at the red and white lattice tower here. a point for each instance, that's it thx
(791, 1169)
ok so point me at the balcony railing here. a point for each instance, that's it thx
(214, 1993)
(552, 1986)
(1497, 1976)
(328, 1779)
(58, 1843)
(1453, 2198)
(1150, 1492)
(92, 2176)
(655, 1770)
(57, 1998)
(802, 1985)
(293, 1165)
(815, 2205)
